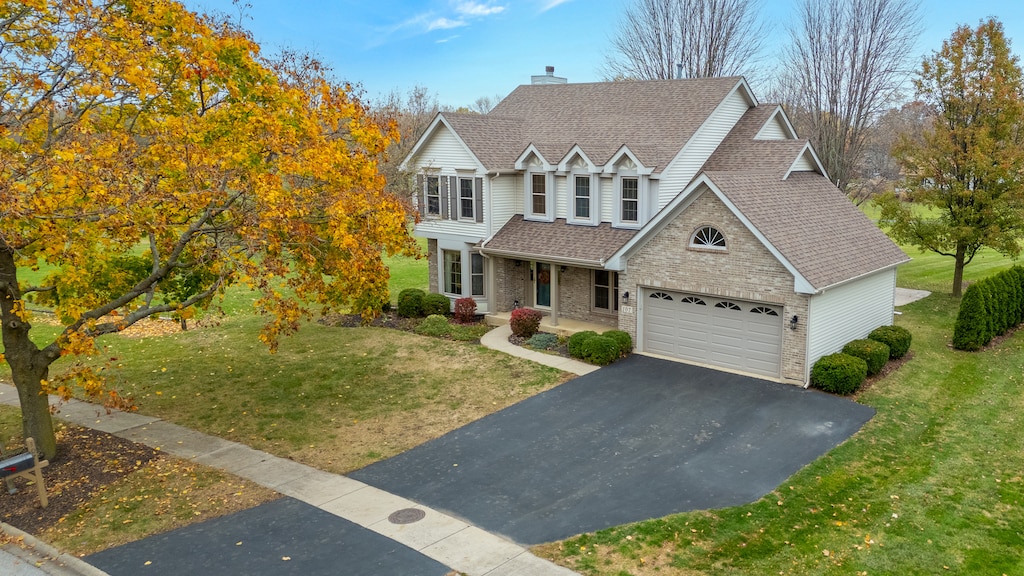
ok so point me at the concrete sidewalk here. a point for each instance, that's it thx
(497, 339)
(448, 540)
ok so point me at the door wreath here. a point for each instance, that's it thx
(544, 277)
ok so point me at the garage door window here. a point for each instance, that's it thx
(692, 300)
(728, 305)
(764, 310)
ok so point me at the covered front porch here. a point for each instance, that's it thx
(564, 327)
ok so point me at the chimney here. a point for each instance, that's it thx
(548, 77)
(679, 70)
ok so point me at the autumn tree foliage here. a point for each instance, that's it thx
(967, 169)
(151, 157)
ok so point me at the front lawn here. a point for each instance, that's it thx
(934, 484)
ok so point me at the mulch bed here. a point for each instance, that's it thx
(387, 320)
(559, 350)
(86, 462)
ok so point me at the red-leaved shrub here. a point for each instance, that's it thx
(465, 310)
(525, 322)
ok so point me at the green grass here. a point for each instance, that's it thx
(934, 272)
(933, 484)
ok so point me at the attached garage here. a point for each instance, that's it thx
(726, 333)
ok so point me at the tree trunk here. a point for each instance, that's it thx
(35, 411)
(29, 365)
(958, 271)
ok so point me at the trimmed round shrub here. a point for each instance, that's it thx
(465, 310)
(969, 332)
(875, 353)
(542, 341)
(576, 342)
(435, 303)
(525, 322)
(410, 302)
(897, 338)
(434, 325)
(622, 338)
(600, 350)
(839, 373)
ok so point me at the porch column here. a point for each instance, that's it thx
(490, 282)
(554, 293)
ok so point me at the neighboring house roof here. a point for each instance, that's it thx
(811, 223)
(653, 118)
(557, 241)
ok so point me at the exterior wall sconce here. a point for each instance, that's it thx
(518, 263)
(563, 269)
(625, 297)
(793, 321)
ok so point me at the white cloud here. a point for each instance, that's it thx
(444, 24)
(551, 4)
(443, 40)
(478, 9)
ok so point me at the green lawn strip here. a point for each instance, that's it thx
(335, 398)
(167, 493)
(934, 272)
(931, 485)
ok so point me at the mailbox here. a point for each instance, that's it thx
(14, 464)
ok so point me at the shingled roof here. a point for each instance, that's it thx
(557, 241)
(740, 151)
(811, 223)
(654, 118)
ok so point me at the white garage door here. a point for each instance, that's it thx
(733, 334)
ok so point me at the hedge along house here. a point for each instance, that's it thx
(681, 211)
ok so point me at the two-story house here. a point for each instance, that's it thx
(681, 211)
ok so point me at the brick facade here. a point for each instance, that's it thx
(574, 289)
(745, 271)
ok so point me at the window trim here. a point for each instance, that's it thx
(462, 199)
(714, 235)
(641, 199)
(447, 274)
(528, 213)
(482, 274)
(613, 292)
(427, 195)
(593, 218)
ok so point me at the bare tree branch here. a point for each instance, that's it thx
(846, 63)
(705, 38)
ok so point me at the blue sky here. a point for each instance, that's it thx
(464, 49)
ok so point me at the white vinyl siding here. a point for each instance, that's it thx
(681, 170)
(608, 198)
(561, 197)
(805, 163)
(773, 130)
(849, 312)
(506, 200)
(444, 150)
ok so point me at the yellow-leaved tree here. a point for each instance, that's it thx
(151, 157)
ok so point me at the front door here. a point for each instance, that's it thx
(543, 285)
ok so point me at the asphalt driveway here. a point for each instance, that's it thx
(642, 438)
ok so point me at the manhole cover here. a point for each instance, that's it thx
(406, 516)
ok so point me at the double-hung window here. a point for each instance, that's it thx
(581, 197)
(539, 194)
(466, 200)
(476, 274)
(453, 271)
(433, 196)
(630, 200)
(606, 291)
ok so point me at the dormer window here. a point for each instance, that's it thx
(708, 237)
(630, 187)
(538, 194)
(581, 197)
(539, 203)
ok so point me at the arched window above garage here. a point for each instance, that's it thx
(708, 237)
